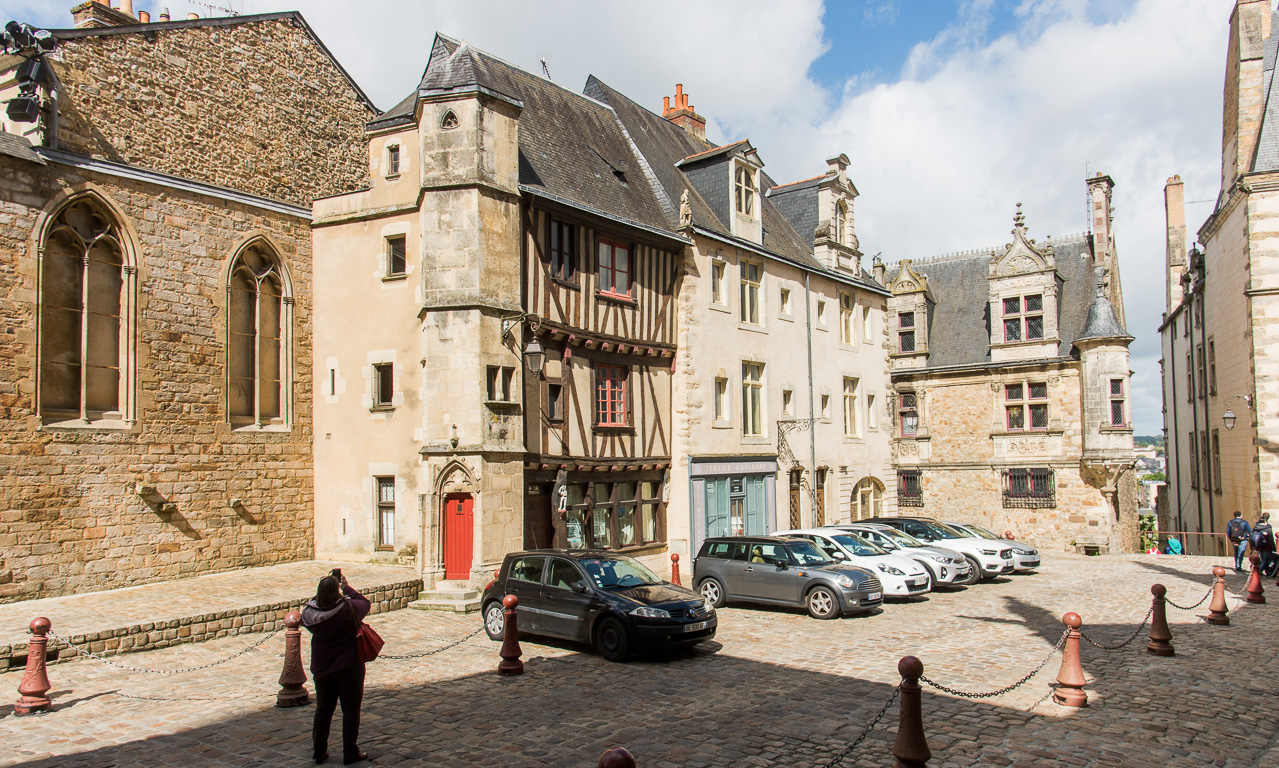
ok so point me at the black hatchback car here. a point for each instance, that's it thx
(596, 596)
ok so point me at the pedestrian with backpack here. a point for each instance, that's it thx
(1239, 532)
(1263, 543)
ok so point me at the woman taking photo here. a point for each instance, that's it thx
(333, 617)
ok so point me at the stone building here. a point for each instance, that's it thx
(1219, 335)
(156, 287)
(1010, 388)
(782, 378)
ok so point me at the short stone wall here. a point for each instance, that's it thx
(193, 629)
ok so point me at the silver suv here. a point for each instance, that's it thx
(782, 571)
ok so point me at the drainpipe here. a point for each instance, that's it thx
(812, 414)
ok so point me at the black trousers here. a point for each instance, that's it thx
(347, 686)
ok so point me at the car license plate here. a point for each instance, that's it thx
(874, 596)
(918, 582)
(695, 627)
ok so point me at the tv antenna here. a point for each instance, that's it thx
(213, 9)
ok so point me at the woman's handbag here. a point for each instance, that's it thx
(368, 643)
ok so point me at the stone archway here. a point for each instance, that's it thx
(867, 498)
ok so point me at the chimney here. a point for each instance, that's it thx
(682, 114)
(878, 270)
(192, 16)
(164, 14)
(1175, 216)
(1101, 221)
(1243, 98)
(100, 14)
(126, 6)
(144, 17)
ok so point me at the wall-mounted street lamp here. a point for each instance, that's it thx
(534, 354)
(1229, 416)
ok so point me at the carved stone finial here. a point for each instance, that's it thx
(1019, 220)
(685, 210)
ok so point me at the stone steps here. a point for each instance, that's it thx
(449, 598)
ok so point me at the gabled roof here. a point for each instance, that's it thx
(12, 145)
(959, 326)
(293, 17)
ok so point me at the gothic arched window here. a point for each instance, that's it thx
(86, 299)
(258, 321)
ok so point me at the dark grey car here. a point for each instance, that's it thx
(782, 571)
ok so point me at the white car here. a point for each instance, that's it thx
(1025, 556)
(989, 558)
(900, 576)
(946, 566)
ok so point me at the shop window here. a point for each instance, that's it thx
(614, 515)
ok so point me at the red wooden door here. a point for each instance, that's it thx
(459, 534)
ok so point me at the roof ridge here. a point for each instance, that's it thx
(801, 181)
(973, 252)
(715, 149)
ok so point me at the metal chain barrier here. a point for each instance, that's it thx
(837, 759)
(1191, 607)
(1140, 627)
(117, 665)
(453, 644)
(991, 694)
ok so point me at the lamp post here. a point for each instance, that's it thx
(1229, 418)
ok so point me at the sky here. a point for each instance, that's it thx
(951, 111)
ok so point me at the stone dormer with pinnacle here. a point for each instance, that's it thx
(910, 311)
(1024, 291)
(835, 240)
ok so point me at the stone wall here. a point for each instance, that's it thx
(70, 517)
(257, 106)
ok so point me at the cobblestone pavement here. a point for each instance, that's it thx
(775, 689)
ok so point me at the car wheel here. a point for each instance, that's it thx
(494, 620)
(822, 603)
(612, 640)
(713, 591)
(975, 567)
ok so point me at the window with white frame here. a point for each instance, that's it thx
(753, 399)
(752, 276)
(719, 283)
(744, 195)
(851, 398)
(720, 399)
(866, 324)
(1023, 318)
(837, 224)
(872, 416)
(846, 318)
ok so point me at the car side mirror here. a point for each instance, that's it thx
(781, 566)
(578, 587)
(839, 555)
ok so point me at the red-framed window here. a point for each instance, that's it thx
(610, 396)
(906, 332)
(908, 414)
(1024, 318)
(1026, 406)
(1117, 404)
(615, 269)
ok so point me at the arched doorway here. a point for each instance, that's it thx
(868, 498)
(459, 535)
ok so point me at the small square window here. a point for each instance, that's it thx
(396, 258)
(383, 384)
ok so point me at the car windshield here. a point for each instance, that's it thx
(983, 532)
(807, 553)
(943, 531)
(857, 545)
(618, 572)
(902, 538)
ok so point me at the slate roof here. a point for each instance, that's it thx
(1102, 322)
(13, 145)
(798, 203)
(1266, 155)
(959, 327)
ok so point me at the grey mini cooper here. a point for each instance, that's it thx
(782, 571)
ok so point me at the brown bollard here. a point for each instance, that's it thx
(1160, 635)
(1070, 677)
(617, 757)
(1217, 609)
(911, 747)
(510, 653)
(674, 571)
(35, 681)
(293, 691)
(1256, 594)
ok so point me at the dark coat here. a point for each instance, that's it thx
(333, 633)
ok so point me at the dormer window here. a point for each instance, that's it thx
(906, 332)
(837, 224)
(1024, 318)
(745, 197)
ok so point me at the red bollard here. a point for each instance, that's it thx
(1071, 675)
(911, 747)
(293, 691)
(674, 570)
(1160, 635)
(617, 758)
(1217, 609)
(35, 681)
(1255, 590)
(510, 653)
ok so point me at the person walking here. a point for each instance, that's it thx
(1238, 531)
(333, 617)
(1263, 543)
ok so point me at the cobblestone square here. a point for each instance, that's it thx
(774, 689)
